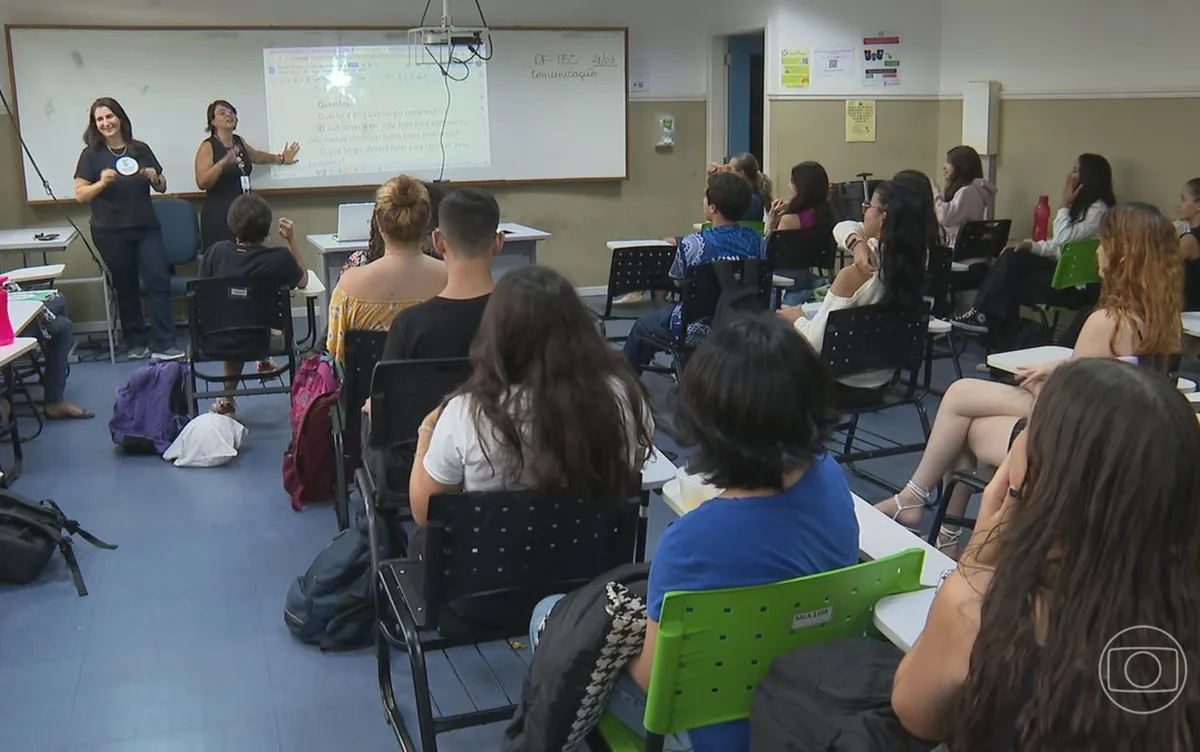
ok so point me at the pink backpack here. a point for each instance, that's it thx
(308, 462)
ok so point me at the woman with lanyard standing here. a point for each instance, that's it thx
(114, 175)
(224, 162)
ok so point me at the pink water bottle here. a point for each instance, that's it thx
(6, 330)
(1041, 219)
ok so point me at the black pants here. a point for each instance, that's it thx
(134, 253)
(1020, 278)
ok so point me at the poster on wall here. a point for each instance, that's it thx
(880, 61)
(639, 76)
(832, 64)
(860, 121)
(795, 67)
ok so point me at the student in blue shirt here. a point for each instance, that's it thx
(726, 196)
(757, 403)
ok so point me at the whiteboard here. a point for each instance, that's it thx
(555, 100)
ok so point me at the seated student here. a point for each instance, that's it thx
(467, 239)
(250, 256)
(369, 299)
(549, 405)
(1086, 531)
(746, 167)
(758, 405)
(55, 333)
(726, 196)
(1024, 271)
(966, 196)
(375, 240)
(1138, 315)
(808, 207)
(1189, 243)
(898, 223)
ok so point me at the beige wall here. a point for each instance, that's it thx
(906, 138)
(1150, 143)
(661, 197)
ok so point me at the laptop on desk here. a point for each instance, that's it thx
(354, 222)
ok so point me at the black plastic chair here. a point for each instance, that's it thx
(363, 350)
(701, 296)
(873, 339)
(939, 289)
(403, 392)
(792, 251)
(983, 239)
(244, 307)
(636, 269)
(489, 558)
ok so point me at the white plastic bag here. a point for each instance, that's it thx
(208, 440)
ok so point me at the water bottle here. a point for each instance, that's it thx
(1041, 219)
(6, 330)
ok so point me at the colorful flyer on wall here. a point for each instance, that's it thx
(879, 59)
(795, 67)
(833, 64)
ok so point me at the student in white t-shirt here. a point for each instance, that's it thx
(549, 405)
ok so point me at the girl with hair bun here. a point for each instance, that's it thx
(368, 299)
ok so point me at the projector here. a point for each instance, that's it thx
(446, 37)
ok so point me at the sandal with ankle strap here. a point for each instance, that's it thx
(923, 501)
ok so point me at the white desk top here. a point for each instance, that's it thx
(22, 312)
(901, 618)
(657, 471)
(1191, 323)
(22, 239)
(1009, 362)
(35, 273)
(19, 347)
(312, 287)
(616, 245)
(513, 233)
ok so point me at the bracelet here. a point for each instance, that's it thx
(280, 157)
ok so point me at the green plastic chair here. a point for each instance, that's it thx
(759, 227)
(715, 646)
(1078, 265)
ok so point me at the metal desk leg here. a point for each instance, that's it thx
(7, 479)
(110, 327)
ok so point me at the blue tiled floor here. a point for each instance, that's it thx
(181, 644)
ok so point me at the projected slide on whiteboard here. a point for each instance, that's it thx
(370, 110)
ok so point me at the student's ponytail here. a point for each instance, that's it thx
(766, 188)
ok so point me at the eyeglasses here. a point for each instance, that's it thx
(225, 111)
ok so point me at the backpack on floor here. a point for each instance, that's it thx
(29, 533)
(151, 409)
(308, 461)
(332, 606)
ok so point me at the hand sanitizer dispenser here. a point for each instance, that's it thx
(665, 129)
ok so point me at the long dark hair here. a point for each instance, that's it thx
(922, 188)
(92, 136)
(903, 243)
(812, 193)
(1101, 539)
(1096, 184)
(554, 391)
(965, 168)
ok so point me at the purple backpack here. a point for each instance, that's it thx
(151, 409)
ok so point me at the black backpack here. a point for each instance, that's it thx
(739, 296)
(29, 533)
(332, 604)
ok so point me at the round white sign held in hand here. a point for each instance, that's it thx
(127, 165)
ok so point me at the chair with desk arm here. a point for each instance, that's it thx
(791, 251)
(636, 269)
(489, 558)
(363, 350)
(238, 306)
(877, 338)
(715, 647)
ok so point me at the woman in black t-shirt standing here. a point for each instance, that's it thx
(114, 175)
(224, 162)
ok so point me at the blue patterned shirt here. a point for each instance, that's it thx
(704, 247)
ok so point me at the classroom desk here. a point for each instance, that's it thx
(9, 354)
(22, 312)
(310, 291)
(22, 241)
(519, 241)
(903, 616)
(1191, 323)
(658, 471)
(1010, 362)
(32, 275)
